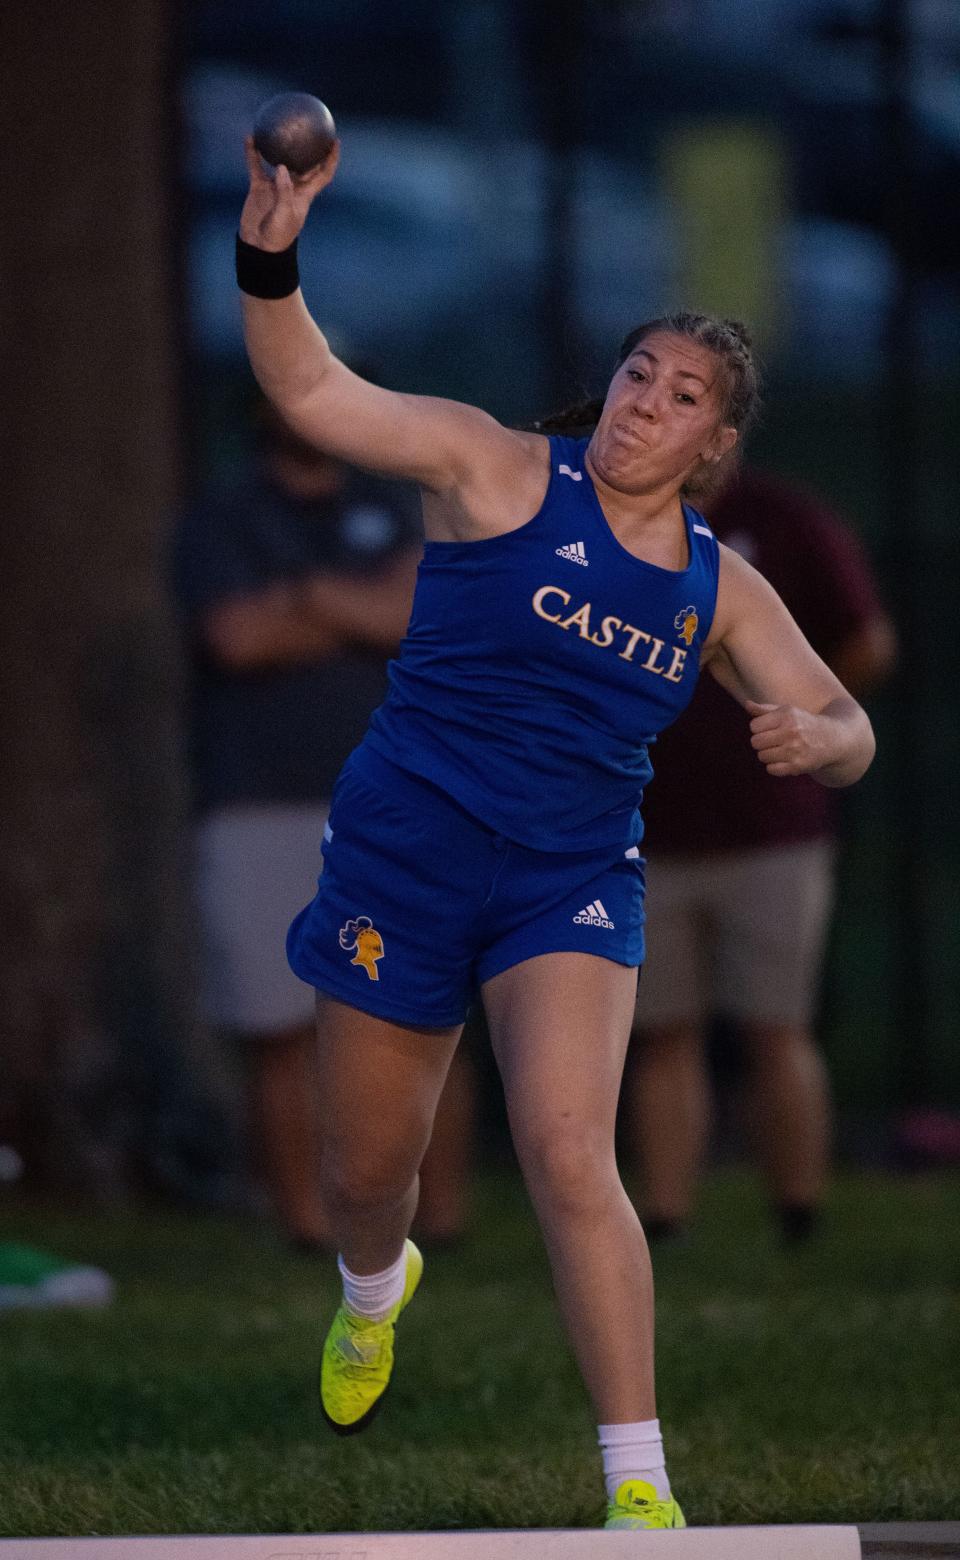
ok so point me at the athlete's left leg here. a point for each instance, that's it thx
(559, 1025)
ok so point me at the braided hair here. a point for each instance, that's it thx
(730, 343)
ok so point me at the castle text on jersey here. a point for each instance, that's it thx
(662, 660)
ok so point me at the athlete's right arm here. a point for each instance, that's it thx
(440, 444)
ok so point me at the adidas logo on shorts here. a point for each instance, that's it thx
(594, 915)
(574, 553)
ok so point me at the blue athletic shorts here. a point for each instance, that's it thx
(419, 903)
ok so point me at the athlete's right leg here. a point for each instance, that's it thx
(380, 1083)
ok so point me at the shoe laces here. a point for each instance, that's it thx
(361, 1345)
(636, 1509)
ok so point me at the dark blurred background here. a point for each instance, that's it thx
(520, 184)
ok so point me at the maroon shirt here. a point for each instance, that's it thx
(709, 790)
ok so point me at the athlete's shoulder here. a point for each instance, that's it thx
(742, 591)
(699, 525)
(566, 450)
(704, 547)
(496, 496)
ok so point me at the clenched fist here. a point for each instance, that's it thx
(791, 741)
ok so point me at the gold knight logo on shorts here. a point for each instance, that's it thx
(686, 623)
(362, 937)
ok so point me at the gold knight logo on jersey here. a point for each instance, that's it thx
(686, 624)
(362, 939)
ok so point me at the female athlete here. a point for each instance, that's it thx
(485, 835)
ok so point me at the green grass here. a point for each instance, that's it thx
(814, 1386)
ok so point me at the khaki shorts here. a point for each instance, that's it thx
(257, 866)
(739, 934)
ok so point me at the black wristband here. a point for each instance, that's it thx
(267, 273)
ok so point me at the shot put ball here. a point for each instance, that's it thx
(295, 129)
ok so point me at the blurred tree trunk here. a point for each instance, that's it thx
(93, 1002)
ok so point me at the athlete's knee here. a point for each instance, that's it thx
(362, 1181)
(571, 1173)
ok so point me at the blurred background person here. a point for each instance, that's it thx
(740, 883)
(295, 582)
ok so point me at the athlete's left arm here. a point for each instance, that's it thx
(803, 721)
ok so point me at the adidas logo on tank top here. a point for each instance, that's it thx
(574, 552)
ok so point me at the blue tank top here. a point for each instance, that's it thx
(539, 666)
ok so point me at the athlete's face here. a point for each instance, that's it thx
(662, 416)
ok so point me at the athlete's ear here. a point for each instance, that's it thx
(721, 444)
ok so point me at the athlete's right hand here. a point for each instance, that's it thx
(277, 204)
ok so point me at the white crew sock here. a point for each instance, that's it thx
(633, 1452)
(373, 1295)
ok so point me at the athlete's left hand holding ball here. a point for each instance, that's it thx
(277, 203)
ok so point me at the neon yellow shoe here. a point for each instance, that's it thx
(358, 1359)
(637, 1505)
